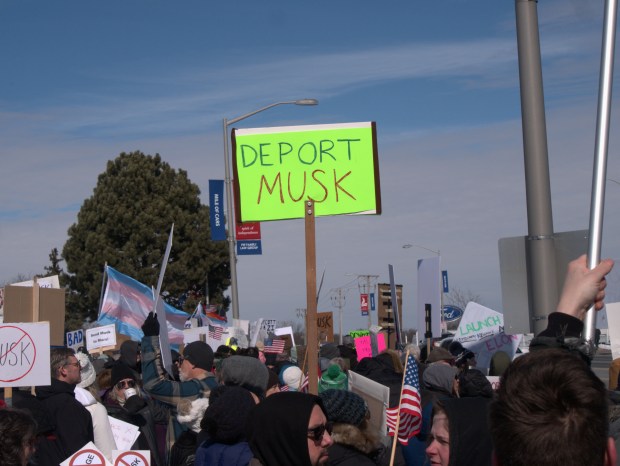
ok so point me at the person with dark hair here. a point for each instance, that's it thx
(472, 382)
(289, 428)
(551, 408)
(460, 433)
(74, 425)
(224, 427)
(18, 435)
(130, 355)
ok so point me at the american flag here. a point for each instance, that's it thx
(275, 346)
(215, 332)
(410, 406)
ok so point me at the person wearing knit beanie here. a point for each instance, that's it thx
(333, 378)
(120, 372)
(356, 441)
(246, 372)
(87, 370)
(344, 407)
(291, 377)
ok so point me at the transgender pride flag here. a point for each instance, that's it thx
(127, 302)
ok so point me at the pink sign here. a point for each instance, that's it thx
(363, 346)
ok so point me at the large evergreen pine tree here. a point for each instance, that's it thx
(126, 224)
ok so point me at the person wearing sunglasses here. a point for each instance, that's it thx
(124, 400)
(74, 424)
(289, 428)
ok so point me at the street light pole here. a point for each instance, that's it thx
(230, 237)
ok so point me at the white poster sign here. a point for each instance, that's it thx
(25, 354)
(485, 349)
(44, 282)
(75, 339)
(613, 320)
(377, 398)
(100, 337)
(478, 322)
(244, 325)
(285, 331)
(88, 455)
(131, 458)
(125, 434)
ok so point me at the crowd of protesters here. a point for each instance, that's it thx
(237, 407)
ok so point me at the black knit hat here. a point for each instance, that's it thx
(344, 407)
(120, 372)
(199, 354)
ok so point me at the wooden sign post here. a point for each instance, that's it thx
(311, 327)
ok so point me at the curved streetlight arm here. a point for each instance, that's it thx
(407, 246)
(286, 102)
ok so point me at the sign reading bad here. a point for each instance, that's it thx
(277, 169)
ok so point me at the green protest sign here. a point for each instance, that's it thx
(277, 169)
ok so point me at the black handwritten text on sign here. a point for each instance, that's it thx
(17, 353)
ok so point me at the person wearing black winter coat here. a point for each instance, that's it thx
(73, 423)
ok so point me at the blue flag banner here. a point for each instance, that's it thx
(249, 248)
(216, 210)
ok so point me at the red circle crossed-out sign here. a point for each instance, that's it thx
(17, 353)
(131, 458)
(87, 458)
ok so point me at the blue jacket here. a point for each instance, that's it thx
(219, 454)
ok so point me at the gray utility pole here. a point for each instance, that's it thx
(542, 277)
(338, 300)
(366, 283)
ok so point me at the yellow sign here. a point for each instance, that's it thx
(277, 169)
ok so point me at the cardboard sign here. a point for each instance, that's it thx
(277, 169)
(100, 337)
(20, 303)
(24, 354)
(325, 326)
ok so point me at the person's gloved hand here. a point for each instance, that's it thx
(150, 327)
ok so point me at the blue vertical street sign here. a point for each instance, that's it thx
(216, 210)
(372, 302)
(444, 280)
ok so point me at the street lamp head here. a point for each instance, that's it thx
(306, 102)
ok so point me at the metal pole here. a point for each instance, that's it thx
(230, 237)
(540, 251)
(600, 156)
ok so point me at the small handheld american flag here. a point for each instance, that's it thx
(275, 346)
(410, 409)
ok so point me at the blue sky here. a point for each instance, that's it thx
(83, 81)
